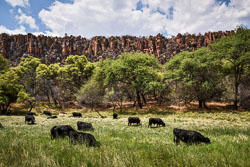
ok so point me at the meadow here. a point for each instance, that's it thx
(123, 145)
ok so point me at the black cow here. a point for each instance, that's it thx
(134, 120)
(31, 113)
(60, 131)
(157, 121)
(76, 114)
(30, 118)
(115, 116)
(83, 138)
(52, 117)
(1, 126)
(47, 113)
(189, 137)
(84, 126)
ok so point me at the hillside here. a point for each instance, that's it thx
(56, 49)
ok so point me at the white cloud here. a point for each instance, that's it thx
(100, 17)
(201, 16)
(118, 17)
(22, 3)
(20, 30)
(24, 19)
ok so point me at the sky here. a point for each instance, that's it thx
(90, 18)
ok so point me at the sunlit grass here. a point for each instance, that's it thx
(123, 145)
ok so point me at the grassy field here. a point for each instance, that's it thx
(31, 145)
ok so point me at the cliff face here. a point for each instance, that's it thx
(56, 49)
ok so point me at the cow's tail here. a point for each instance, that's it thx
(174, 139)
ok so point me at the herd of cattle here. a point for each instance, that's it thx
(61, 131)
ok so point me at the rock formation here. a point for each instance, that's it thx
(56, 49)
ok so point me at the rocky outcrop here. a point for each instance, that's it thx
(56, 49)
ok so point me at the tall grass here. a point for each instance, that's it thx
(123, 145)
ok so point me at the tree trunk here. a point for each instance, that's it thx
(129, 95)
(31, 106)
(53, 97)
(236, 96)
(204, 104)
(120, 104)
(114, 108)
(48, 98)
(134, 103)
(99, 113)
(200, 103)
(139, 99)
(121, 107)
(144, 99)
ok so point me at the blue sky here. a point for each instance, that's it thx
(119, 17)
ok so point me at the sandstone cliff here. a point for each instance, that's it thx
(56, 49)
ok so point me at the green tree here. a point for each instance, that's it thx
(115, 94)
(27, 74)
(3, 63)
(234, 53)
(91, 95)
(75, 72)
(140, 72)
(9, 89)
(198, 70)
(24, 97)
(47, 80)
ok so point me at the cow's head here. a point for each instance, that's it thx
(163, 124)
(207, 140)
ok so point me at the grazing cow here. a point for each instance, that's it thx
(83, 138)
(31, 113)
(157, 121)
(134, 120)
(115, 116)
(52, 117)
(189, 137)
(84, 126)
(47, 113)
(60, 131)
(1, 126)
(76, 114)
(30, 118)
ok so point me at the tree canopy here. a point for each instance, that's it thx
(199, 70)
(141, 72)
(234, 53)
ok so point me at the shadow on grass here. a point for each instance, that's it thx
(163, 110)
(134, 125)
(131, 112)
(153, 127)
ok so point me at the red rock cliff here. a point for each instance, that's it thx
(56, 49)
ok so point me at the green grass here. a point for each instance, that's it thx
(31, 145)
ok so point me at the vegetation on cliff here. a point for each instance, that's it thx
(205, 74)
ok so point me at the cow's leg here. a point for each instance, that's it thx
(71, 141)
(177, 141)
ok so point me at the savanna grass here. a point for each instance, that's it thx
(123, 145)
